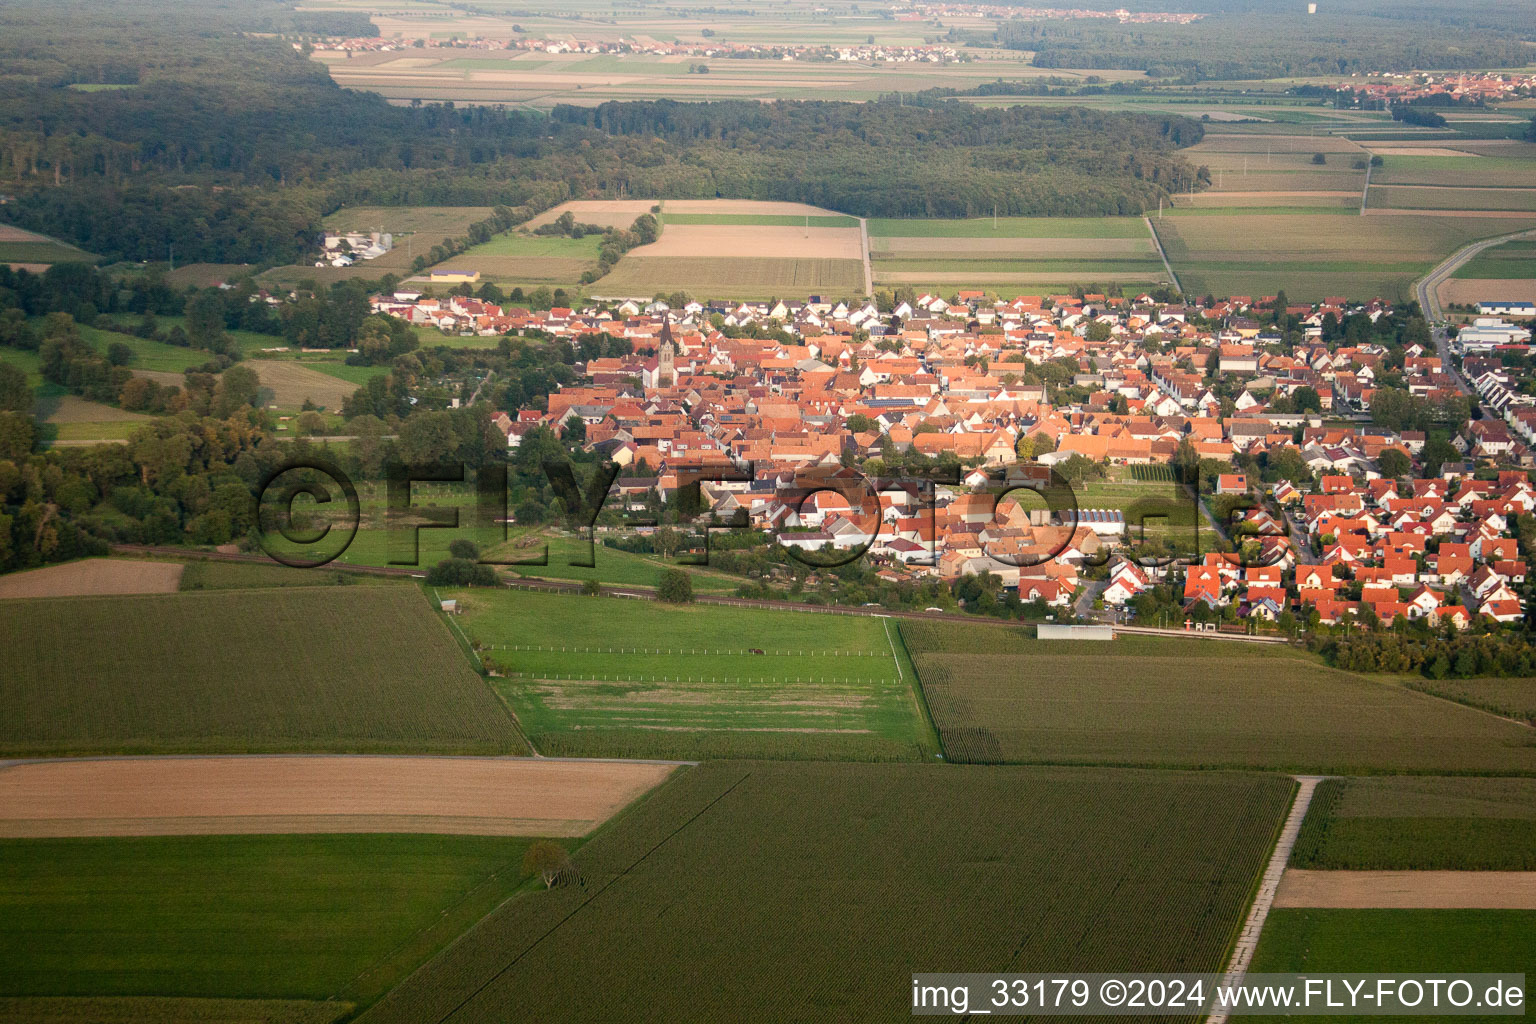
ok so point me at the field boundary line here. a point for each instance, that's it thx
(584, 903)
(869, 273)
(1158, 242)
(894, 656)
(1253, 927)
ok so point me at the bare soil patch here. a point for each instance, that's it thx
(94, 576)
(896, 246)
(1410, 150)
(1408, 890)
(244, 795)
(747, 207)
(1473, 290)
(292, 382)
(613, 213)
(11, 233)
(754, 241)
(74, 409)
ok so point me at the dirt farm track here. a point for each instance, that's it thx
(493, 796)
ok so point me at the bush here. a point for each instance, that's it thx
(460, 572)
(465, 549)
(676, 587)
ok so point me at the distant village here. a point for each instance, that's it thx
(852, 52)
(829, 385)
(1461, 86)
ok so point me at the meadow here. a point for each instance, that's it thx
(206, 574)
(32, 249)
(1397, 941)
(1510, 260)
(834, 873)
(1511, 172)
(1420, 823)
(603, 676)
(309, 917)
(337, 669)
(517, 258)
(1138, 701)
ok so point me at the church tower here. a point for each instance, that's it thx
(666, 371)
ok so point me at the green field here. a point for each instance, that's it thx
(1510, 260)
(42, 251)
(148, 354)
(1399, 942)
(1311, 256)
(339, 917)
(520, 259)
(1414, 197)
(610, 565)
(603, 676)
(343, 669)
(1420, 823)
(1511, 172)
(997, 696)
(1010, 227)
(206, 574)
(736, 277)
(774, 892)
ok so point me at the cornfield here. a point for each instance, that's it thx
(759, 892)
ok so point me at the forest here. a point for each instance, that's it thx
(226, 146)
(1253, 42)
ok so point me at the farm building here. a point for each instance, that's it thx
(1501, 308)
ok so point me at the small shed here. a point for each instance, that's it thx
(1053, 631)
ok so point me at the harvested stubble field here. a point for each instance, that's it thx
(738, 277)
(1420, 823)
(1142, 701)
(247, 795)
(609, 213)
(1046, 254)
(290, 383)
(752, 241)
(819, 870)
(619, 678)
(93, 576)
(1409, 890)
(263, 917)
(335, 669)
